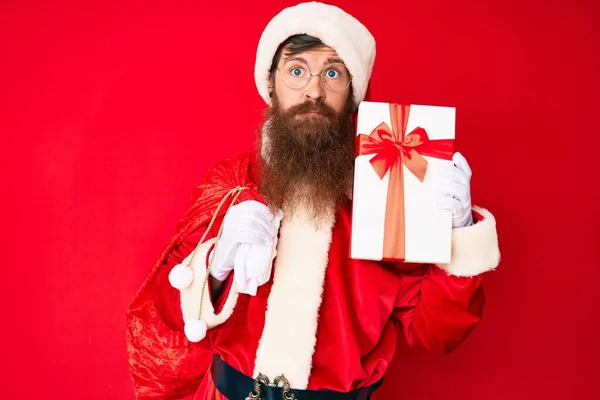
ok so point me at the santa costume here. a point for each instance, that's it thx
(322, 324)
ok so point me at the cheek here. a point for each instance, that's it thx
(287, 97)
(338, 101)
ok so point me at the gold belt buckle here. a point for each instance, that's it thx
(280, 380)
(287, 391)
(256, 393)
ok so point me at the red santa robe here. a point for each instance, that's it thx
(324, 320)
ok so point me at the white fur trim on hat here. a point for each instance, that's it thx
(190, 296)
(351, 40)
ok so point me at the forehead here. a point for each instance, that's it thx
(321, 55)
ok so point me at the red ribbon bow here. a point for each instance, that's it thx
(393, 148)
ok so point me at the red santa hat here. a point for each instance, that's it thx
(334, 27)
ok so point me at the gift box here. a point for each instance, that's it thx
(395, 216)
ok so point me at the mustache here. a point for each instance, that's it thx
(310, 106)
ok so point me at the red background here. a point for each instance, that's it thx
(111, 112)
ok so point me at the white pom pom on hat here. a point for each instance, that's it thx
(195, 329)
(337, 29)
(181, 276)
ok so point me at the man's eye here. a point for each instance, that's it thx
(297, 72)
(333, 73)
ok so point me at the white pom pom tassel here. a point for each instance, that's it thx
(181, 276)
(195, 329)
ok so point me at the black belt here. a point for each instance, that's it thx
(236, 386)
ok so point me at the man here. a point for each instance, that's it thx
(282, 303)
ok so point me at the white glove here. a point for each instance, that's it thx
(451, 185)
(253, 264)
(247, 245)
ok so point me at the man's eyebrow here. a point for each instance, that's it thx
(297, 59)
(332, 60)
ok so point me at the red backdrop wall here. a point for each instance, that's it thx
(111, 112)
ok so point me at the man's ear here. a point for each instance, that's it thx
(271, 84)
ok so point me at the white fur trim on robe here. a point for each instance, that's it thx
(288, 340)
(474, 248)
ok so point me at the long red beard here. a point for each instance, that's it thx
(308, 160)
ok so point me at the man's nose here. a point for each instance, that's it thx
(314, 90)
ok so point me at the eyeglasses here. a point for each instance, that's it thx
(296, 75)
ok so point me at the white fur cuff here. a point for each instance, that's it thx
(474, 248)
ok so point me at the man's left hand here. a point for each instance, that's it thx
(451, 185)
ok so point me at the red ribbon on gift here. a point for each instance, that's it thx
(393, 148)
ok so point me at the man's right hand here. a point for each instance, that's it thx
(247, 245)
